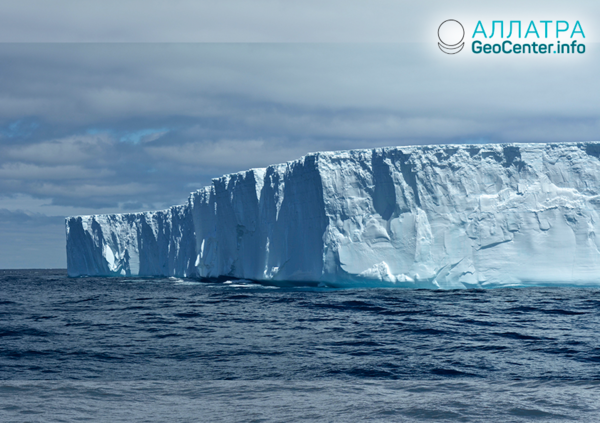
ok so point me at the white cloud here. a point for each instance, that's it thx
(69, 150)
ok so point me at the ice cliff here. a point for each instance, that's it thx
(447, 216)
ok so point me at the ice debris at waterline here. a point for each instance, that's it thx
(447, 216)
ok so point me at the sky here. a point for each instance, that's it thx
(125, 106)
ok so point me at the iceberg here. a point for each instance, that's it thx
(440, 217)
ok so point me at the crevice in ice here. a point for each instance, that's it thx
(512, 155)
(494, 244)
(384, 195)
(593, 149)
(410, 176)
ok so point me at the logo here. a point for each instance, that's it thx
(451, 35)
(515, 37)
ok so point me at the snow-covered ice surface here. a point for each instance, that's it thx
(447, 216)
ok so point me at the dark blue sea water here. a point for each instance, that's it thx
(123, 349)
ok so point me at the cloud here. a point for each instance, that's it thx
(206, 21)
(71, 150)
(103, 125)
(144, 135)
(256, 21)
(31, 240)
(23, 171)
(119, 85)
(226, 153)
(22, 217)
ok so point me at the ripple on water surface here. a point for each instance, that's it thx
(121, 332)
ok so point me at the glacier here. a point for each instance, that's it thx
(435, 216)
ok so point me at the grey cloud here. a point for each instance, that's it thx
(229, 153)
(205, 21)
(244, 21)
(205, 103)
(249, 84)
(31, 240)
(22, 217)
(25, 171)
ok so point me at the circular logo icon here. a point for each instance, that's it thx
(451, 34)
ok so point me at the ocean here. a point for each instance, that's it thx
(170, 349)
